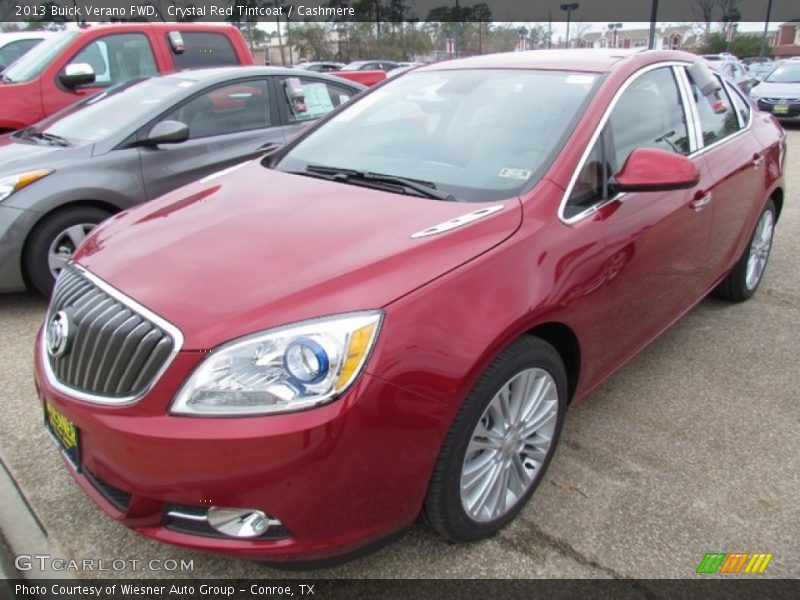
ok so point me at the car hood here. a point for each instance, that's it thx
(766, 89)
(20, 156)
(252, 249)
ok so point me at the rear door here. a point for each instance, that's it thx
(736, 161)
(228, 124)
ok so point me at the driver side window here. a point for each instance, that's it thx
(118, 58)
(648, 114)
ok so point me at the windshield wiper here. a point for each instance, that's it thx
(416, 187)
(47, 137)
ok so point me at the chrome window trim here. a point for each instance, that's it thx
(690, 108)
(593, 140)
(169, 328)
(735, 90)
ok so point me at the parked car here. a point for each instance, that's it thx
(759, 66)
(779, 92)
(370, 65)
(16, 44)
(320, 66)
(738, 72)
(76, 63)
(136, 141)
(391, 314)
(367, 78)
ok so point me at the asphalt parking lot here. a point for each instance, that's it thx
(690, 448)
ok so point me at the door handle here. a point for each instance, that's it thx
(701, 200)
(269, 147)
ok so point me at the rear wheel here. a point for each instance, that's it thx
(743, 280)
(54, 241)
(500, 443)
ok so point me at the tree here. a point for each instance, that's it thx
(744, 45)
(713, 44)
(703, 11)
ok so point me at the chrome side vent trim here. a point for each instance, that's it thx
(457, 222)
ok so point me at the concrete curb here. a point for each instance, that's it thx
(22, 532)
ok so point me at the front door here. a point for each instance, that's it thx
(227, 125)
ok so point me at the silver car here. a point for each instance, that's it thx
(779, 92)
(134, 142)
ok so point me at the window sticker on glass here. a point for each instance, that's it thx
(581, 79)
(318, 100)
(343, 98)
(510, 173)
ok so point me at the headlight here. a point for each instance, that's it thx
(286, 369)
(14, 183)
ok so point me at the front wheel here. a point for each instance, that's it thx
(54, 241)
(743, 280)
(500, 443)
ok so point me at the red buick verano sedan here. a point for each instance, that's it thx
(292, 359)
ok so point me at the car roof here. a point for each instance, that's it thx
(587, 60)
(13, 36)
(222, 74)
(157, 25)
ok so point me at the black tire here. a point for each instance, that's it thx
(37, 248)
(735, 286)
(443, 509)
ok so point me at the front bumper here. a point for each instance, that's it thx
(791, 114)
(338, 477)
(15, 225)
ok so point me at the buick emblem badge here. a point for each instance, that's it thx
(58, 334)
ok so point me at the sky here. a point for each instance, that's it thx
(560, 27)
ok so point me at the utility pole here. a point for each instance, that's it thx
(614, 27)
(766, 30)
(569, 8)
(549, 29)
(651, 44)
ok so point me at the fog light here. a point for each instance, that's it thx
(238, 522)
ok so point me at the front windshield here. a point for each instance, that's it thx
(30, 65)
(111, 111)
(785, 74)
(476, 134)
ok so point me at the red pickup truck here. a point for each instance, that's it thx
(75, 63)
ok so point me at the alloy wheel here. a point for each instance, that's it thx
(509, 445)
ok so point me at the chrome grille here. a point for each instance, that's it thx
(116, 350)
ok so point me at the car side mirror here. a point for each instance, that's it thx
(655, 170)
(76, 74)
(167, 132)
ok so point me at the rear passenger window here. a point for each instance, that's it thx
(319, 98)
(238, 107)
(204, 50)
(740, 104)
(717, 117)
(118, 58)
